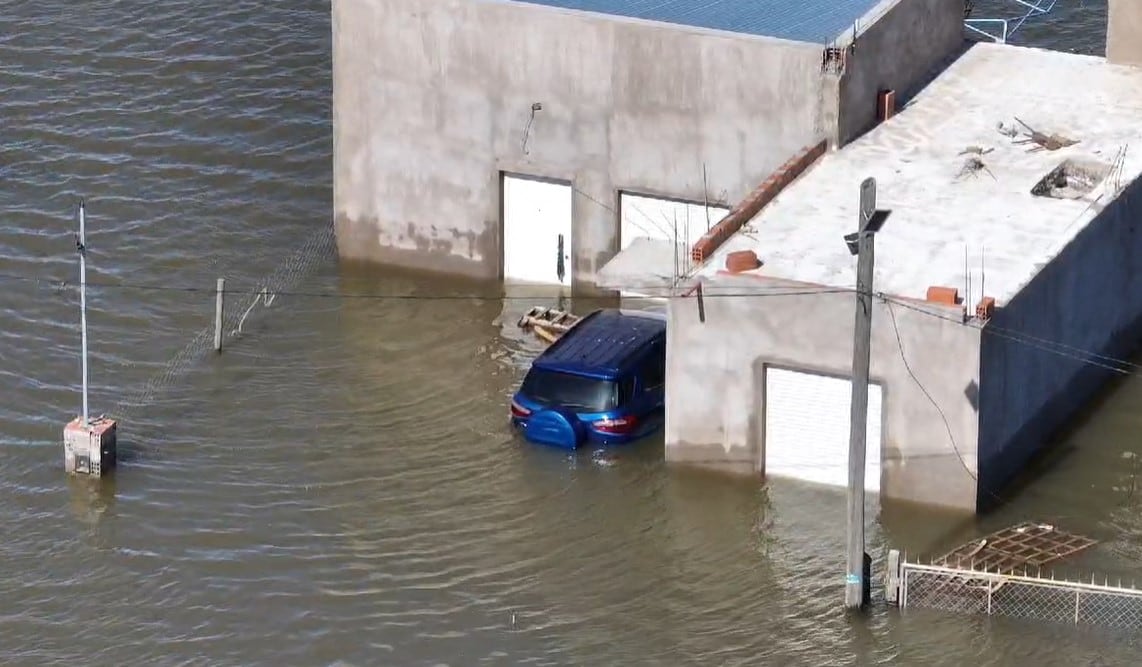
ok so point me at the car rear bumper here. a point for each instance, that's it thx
(565, 440)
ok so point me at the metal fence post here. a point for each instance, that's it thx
(904, 585)
(218, 305)
(892, 578)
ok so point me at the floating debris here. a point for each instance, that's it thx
(548, 324)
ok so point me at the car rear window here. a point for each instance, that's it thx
(572, 391)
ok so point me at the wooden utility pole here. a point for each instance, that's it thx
(860, 244)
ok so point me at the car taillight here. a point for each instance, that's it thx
(619, 425)
(519, 411)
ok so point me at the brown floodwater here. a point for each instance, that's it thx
(339, 486)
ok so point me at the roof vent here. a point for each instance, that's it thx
(1073, 179)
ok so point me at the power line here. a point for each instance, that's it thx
(1114, 364)
(1106, 362)
(63, 284)
(666, 232)
(935, 404)
(1022, 339)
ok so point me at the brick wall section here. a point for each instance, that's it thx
(755, 201)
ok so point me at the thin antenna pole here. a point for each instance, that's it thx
(705, 199)
(982, 273)
(675, 253)
(967, 278)
(81, 246)
(686, 255)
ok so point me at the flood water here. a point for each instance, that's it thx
(339, 486)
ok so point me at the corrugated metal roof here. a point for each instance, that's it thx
(815, 21)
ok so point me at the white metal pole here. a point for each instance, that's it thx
(219, 292)
(83, 303)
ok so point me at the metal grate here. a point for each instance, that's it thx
(1027, 545)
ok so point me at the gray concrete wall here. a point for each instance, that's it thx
(901, 50)
(432, 97)
(715, 381)
(1124, 32)
(1088, 298)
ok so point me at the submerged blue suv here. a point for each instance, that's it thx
(603, 381)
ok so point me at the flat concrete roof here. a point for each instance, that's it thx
(939, 210)
(814, 21)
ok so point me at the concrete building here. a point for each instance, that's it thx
(1010, 274)
(1124, 34)
(531, 141)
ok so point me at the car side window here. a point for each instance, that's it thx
(654, 368)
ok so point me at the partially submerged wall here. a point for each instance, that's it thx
(715, 380)
(433, 100)
(1036, 368)
(1124, 32)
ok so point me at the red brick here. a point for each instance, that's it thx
(755, 201)
(742, 260)
(885, 105)
(985, 308)
(946, 295)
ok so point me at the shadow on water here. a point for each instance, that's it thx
(1068, 443)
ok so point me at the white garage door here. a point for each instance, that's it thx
(537, 231)
(666, 220)
(807, 428)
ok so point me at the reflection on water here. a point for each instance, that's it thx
(91, 499)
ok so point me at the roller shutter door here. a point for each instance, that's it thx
(807, 428)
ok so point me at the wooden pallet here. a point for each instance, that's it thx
(548, 324)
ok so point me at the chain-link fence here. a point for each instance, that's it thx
(299, 264)
(1021, 596)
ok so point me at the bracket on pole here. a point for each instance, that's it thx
(872, 218)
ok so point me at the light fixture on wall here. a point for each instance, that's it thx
(535, 106)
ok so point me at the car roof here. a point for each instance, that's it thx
(603, 344)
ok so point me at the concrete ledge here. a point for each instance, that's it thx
(755, 201)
